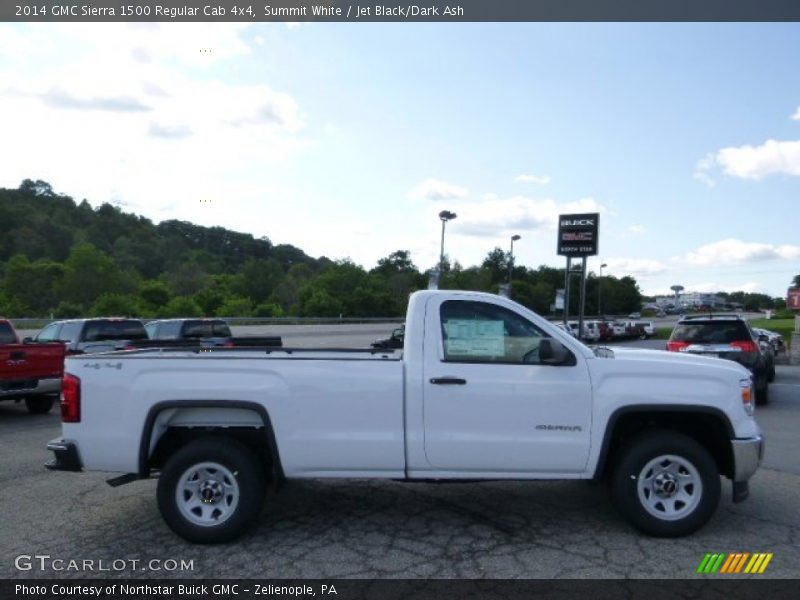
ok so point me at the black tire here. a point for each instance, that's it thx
(762, 394)
(250, 482)
(39, 405)
(771, 374)
(628, 471)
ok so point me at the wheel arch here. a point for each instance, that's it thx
(208, 429)
(708, 425)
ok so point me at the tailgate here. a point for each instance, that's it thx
(31, 361)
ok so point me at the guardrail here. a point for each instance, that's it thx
(33, 323)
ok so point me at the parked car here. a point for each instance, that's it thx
(207, 332)
(591, 332)
(87, 336)
(775, 339)
(180, 333)
(606, 330)
(394, 341)
(635, 315)
(642, 329)
(566, 329)
(485, 389)
(728, 337)
(29, 371)
(769, 354)
(620, 329)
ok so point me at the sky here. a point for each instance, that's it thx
(347, 139)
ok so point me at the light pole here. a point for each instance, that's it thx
(514, 238)
(599, 290)
(445, 216)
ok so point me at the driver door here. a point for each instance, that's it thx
(490, 405)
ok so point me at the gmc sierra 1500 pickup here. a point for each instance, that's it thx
(483, 389)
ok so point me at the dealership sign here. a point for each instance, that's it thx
(577, 234)
(793, 299)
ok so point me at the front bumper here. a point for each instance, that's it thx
(66, 456)
(747, 457)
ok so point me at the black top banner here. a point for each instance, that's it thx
(429, 11)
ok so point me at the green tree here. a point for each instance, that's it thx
(260, 278)
(153, 295)
(33, 283)
(536, 296)
(88, 273)
(114, 305)
(182, 306)
(12, 307)
(268, 309)
(236, 307)
(318, 302)
(496, 263)
(68, 310)
(218, 289)
(187, 278)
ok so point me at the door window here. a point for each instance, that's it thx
(70, 332)
(49, 333)
(487, 333)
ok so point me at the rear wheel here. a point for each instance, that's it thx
(665, 483)
(211, 490)
(39, 405)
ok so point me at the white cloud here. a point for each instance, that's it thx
(136, 113)
(538, 179)
(733, 251)
(796, 115)
(633, 266)
(773, 157)
(703, 168)
(501, 217)
(637, 229)
(434, 189)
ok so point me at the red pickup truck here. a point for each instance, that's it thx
(29, 371)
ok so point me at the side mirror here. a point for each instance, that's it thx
(28, 340)
(552, 352)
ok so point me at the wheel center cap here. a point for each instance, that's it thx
(665, 485)
(210, 491)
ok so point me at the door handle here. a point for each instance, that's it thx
(448, 381)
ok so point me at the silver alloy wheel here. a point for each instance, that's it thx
(669, 487)
(207, 494)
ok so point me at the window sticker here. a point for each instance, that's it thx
(471, 338)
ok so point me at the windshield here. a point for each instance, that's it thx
(206, 329)
(106, 330)
(719, 332)
(7, 334)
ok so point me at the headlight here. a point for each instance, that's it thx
(748, 394)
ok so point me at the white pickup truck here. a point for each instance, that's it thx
(483, 389)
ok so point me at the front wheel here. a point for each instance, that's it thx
(665, 483)
(211, 490)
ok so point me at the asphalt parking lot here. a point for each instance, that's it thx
(370, 529)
